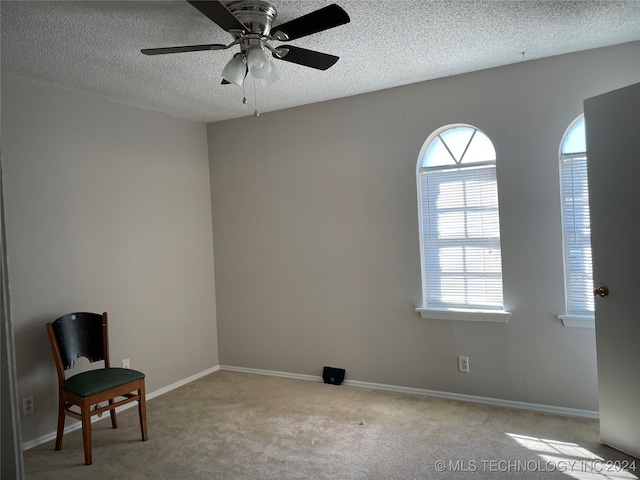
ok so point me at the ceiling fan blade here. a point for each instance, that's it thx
(314, 22)
(188, 48)
(220, 14)
(308, 58)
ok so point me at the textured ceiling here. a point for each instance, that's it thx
(94, 47)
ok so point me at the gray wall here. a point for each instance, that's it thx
(316, 238)
(107, 209)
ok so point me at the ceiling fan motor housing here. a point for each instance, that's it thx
(256, 15)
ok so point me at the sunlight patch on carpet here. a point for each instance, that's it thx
(574, 460)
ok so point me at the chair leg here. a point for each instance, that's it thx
(142, 411)
(112, 412)
(85, 413)
(61, 418)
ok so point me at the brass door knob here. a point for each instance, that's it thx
(601, 292)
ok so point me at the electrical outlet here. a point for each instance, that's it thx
(463, 364)
(125, 363)
(27, 405)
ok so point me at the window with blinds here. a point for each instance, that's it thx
(459, 221)
(575, 221)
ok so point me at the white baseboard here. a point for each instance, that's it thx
(271, 373)
(182, 382)
(76, 424)
(571, 412)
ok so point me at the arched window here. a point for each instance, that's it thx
(459, 222)
(576, 228)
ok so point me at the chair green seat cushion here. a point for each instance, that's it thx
(95, 381)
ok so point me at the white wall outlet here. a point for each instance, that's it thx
(27, 406)
(125, 363)
(463, 364)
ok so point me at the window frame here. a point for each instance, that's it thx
(571, 318)
(460, 312)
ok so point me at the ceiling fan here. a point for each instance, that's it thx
(250, 24)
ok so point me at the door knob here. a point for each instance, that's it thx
(601, 292)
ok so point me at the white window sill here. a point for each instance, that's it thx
(465, 315)
(578, 321)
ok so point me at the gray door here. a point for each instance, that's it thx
(612, 125)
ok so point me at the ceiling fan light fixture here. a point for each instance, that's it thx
(259, 63)
(234, 71)
(273, 77)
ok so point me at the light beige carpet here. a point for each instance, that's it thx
(239, 426)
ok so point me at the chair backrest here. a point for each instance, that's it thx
(79, 334)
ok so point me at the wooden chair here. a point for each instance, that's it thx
(84, 334)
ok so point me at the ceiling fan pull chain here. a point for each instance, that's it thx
(244, 93)
(255, 99)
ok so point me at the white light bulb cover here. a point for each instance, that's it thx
(273, 77)
(263, 72)
(234, 71)
(256, 58)
(258, 62)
